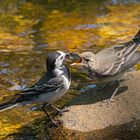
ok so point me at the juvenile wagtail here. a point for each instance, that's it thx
(51, 87)
(110, 63)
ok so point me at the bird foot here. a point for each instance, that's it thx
(56, 123)
(60, 112)
(90, 75)
(108, 102)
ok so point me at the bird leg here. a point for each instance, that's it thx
(60, 111)
(91, 74)
(108, 102)
(54, 122)
(114, 93)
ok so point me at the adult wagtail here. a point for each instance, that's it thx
(51, 87)
(110, 63)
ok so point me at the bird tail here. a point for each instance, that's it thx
(137, 35)
(129, 48)
(133, 61)
(8, 105)
(133, 44)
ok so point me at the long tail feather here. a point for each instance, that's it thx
(137, 35)
(8, 105)
(133, 61)
(131, 46)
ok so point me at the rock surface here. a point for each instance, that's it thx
(86, 113)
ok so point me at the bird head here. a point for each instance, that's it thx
(84, 59)
(56, 59)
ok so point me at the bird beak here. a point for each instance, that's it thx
(67, 54)
(75, 57)
(79, 63)
(76, 64)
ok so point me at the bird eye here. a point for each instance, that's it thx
(87, 60)
(62, 57)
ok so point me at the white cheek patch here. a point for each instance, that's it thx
(59, 61)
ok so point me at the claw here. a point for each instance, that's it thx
(107, 103)
(56, 123)
(60, 112)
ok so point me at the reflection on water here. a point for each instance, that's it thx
(84, 89)
(30, 29)
(70, 25)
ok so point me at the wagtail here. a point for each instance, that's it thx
(51, 87)
(110, 63)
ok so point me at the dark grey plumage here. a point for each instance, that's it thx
(52, 86)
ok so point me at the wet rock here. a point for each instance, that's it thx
(86, 112)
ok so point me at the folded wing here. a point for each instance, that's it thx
(110, 60)
(32, 92)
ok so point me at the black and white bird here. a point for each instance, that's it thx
(110, 63)
(51, 87)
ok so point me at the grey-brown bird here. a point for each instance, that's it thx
(110, 63)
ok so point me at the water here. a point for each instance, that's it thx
(30, 29)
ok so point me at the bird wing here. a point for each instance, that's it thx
(50, 86)
(110, 60)
(43, 80)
